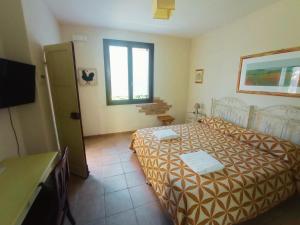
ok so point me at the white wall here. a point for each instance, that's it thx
(219, 51)
(171, 67)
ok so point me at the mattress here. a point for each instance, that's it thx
(252, 181)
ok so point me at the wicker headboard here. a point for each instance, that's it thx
(282, 121)
(233, 110)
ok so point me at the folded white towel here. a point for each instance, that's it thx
(166, 134)
(201, 162)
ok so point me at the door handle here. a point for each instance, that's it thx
(75, 116)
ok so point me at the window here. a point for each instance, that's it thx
(128, 72)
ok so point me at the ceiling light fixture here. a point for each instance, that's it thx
(162, 9)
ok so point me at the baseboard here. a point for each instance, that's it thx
(109, 134)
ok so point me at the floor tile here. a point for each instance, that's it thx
(111, 170)
(127, 156)
(114, 183)
(100, 221)
(130, 166)
(141, 195)
(89, 207)
(109, 159)
(152, 214)
(117, 202)
(92, 184)
(121, 148)
(135, 178)
(108, 151)
(124, 218)
(95, 169)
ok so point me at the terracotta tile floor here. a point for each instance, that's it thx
(115, 192)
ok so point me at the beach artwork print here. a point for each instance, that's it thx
(271, 73)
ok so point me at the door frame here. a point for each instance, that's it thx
(79, 107)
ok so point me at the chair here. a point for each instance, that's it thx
(52, 204)
(61, 177)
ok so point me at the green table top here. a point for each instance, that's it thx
(19, 184)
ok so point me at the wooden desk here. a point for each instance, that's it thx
(19, 184)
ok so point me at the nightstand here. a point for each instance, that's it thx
(166, 119)
(194, 117)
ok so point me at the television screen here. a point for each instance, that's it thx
(17, 83)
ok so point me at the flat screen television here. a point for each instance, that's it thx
(17, 83)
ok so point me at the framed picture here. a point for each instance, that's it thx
(271, 73)
(87, 76)
(199, 73)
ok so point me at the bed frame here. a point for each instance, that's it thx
(233, 110)
(280, 120)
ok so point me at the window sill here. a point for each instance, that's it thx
(136, 102)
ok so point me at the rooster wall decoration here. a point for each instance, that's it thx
(87, 77)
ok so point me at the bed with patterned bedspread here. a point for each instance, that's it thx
(260, 172)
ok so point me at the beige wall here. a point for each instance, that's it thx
(170, 79)
(1, 48)
(13, 31)
(219, 51)
(23, 36)
(41, 31)
(6, 134)
(14, 47)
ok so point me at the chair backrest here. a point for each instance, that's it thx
(61, 176)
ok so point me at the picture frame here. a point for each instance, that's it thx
(87, 76)
(199, 73)
(270, 73)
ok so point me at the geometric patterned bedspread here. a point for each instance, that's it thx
(251, 183)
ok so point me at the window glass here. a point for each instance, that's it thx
(119, 72)
(140, 71)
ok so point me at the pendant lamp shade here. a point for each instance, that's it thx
(162, 9)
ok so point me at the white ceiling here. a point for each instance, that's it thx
(191, 17)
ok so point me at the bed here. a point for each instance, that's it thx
(260, 170)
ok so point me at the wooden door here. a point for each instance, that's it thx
(60, 62)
